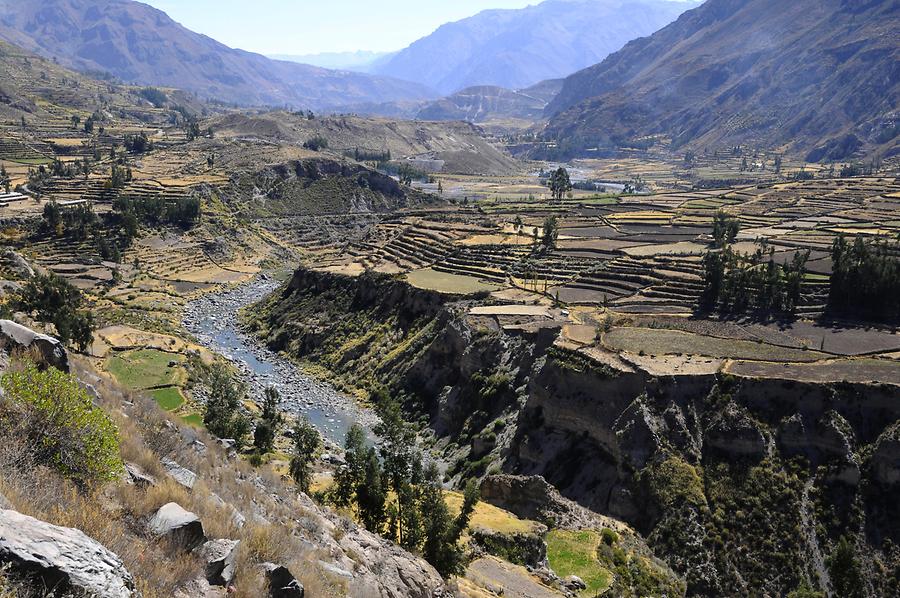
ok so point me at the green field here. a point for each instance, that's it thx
(145, 368)
(575, 553)
(658, 341)
(194, 419)
(168, 398)
(444, 282)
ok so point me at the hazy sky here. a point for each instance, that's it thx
(311, 26)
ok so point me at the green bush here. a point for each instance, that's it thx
(56, 416)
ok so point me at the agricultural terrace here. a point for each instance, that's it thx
(625, 273)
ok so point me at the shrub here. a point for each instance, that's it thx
(61, 423)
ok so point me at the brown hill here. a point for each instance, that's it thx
(456, 147)
(140, 44)
(486, 103)
(818, 76)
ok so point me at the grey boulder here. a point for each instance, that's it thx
(182, 475)
(50, 350)
(181, 527)
(62, 558)
(219, 556)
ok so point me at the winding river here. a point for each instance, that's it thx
(213, 320)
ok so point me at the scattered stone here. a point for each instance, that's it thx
(17, 337)
(573, 582)
(219, 556)
(62, 558)
(183, 476)
(335, 570)
(282, 583)
(180, 526)
(136, 475)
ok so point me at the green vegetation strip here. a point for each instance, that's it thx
(575, 553)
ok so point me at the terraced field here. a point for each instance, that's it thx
(622, 261)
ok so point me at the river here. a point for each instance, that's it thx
(213, 320)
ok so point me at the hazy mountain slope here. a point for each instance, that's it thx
(140, 44)
(484, 103)
(518, 48)
(360, 61)
(811, 73)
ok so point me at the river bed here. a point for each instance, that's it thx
(213, 320)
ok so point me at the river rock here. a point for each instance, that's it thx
(180, 526)
(219, 556)
(50, 350)
(282, 583)
(62, 558)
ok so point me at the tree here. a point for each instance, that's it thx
(442, 531)
(551, 232)
(307, 444)
(844, 569)
(725, 229)
(270, 420)
(398, 443)
(559, 183)
(347, 478)
(371, 493)
(223, 416)
(54, 300)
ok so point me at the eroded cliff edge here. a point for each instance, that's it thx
(743, 485)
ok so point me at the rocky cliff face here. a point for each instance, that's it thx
(320, 186)
(734, 481)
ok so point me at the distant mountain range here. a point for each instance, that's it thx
(818, 76)
(139, 44)
(360, 61)
(518, 48)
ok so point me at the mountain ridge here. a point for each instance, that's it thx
(140, 44)
(543, 41)
(821, 77)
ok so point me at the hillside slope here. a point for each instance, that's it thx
(813, 74)
(485, 103)
(518, 48)
(140, 44)
(459, 147)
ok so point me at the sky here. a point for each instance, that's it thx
(313, 26)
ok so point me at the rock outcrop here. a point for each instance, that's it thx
(50, 351)
(219, 556)
(60, 558)
(531, 497)
(282, 583)
(181, 527)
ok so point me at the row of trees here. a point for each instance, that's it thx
(389, 489)
(865, 279)
(395, 495)
(737, 283)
